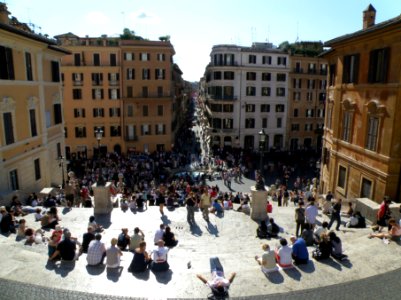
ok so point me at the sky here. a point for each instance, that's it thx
(195, 26)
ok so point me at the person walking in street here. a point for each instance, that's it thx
(335, 214)
(205, 204)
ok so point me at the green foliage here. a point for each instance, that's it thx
(165, 38)
(130, 35)
(305, 48)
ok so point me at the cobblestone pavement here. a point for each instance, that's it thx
(384, 286)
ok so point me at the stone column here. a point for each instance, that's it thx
(258, 204)
(102, 194)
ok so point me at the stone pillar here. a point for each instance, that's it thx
(258, 204)
(102, 197)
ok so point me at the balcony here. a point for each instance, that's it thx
(97, 82)
(298, 70)
(114, 83)
(78, 83)
(225, 64)
(133, 138)
(223, 98)
(323, 72)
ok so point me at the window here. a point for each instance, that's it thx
(58, 149)
(265, 108)
(97, 94)
(114, 112)
(160, 74)
(322, 97)
(130, 73)
(8, 128)
(250, 123)
(6, 63)
(228, 123)
(228, 108)
(145, 111)
(295, 113)
(372, 134)
(77, 78)
(129, 56)
(216, 123)
(145, 129)
(228, 75)
(130, 92)
(98, 112)
(332, 75)
(115, 130)
(250, 75)
(14, 185)
(294, 144)
(308, 127)
(279, 122)
(298, 68)
(297, 96)
(58, 117)
(311, 84)
(309, 96)
(55, 69)
(146, 74)
(294, 127)
(113, 78)
(228, 59)
(266, 76)
(280, 77)
(309, 113)
(160, 129)
(280, 92)
(378, 65)
(218, 59)
(366, 188)
(160, 92)
(145, 56)
(297, 83)
(342, 176)
(145, 92)
(79, 112)
(32, 119)
(217, 75)
(130, 111)
(97, 78)
(323, 69)
(250, 108)
(252, 59)
(37, 168)
(160, 110)
(80, 132)
(320, 113)
(311, 68)
(216, 107)
(96, 59)
(266, 60)
(265, 91)
(28, 66)
(113, 59)
(323, 84)
(264, 122)
(282, 60)
(350, 68)
(161, 56)
(347, 126)
(250, 91)
(280, 108)
(114, 94)
(77, 59)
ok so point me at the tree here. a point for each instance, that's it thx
(165, 38)
(130, 35)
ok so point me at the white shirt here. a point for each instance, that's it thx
(285, 255)
(311, 213)
(158, 235)
(160, 254)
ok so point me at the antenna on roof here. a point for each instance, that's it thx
(297, 39)
(253, 29)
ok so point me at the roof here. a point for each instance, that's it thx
(52, 44)
(370, 8)
(362, 32)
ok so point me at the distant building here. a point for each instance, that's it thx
(362, 134)
(246, 89)
(306, 105)
(124, 87)
(31, 109)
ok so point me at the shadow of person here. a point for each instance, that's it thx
(66, 210)
(114, 274)
(165, 220)
(212, 229)
(141, 275)
(307, 268)
(195, 229)
(331, 262)
(274, 277)
(293, 273)
(345, 263)
(103, 219)
(95, 270)
(164, 276)
(63, 267)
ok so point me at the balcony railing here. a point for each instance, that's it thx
(97, 82)
(298, 70)
(78, 83)
(131, 138)
(114, 82)
(218, 97)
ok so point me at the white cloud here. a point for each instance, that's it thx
(144, 17)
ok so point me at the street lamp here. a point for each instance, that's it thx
(99, 135)
(61, 165)
(262, 144)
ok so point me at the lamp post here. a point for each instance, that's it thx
(99, 135)
(262, 143)
(61, 165)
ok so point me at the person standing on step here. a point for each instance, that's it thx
(335, 214)
(205, 204)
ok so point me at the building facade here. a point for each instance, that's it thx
(31, 109)
(246, 89)
(125, 88)
(362, 133)
(306, 105)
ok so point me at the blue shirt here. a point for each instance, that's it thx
(299, 249)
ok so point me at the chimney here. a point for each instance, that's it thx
(4, 14)
(369, 16)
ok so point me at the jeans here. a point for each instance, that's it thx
(205, 212)
(335, 217)
(191, 214)
(215, 266)
(300, 225)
